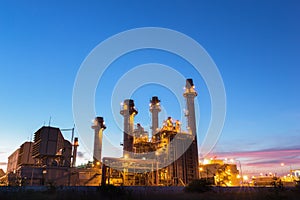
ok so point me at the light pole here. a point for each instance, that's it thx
(241, 172)
(282, 169)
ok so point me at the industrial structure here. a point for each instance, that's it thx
(99, 127)
(218, 172)
(47, 160)
(168, 157)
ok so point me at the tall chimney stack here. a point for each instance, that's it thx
(190, 94)
(128, 111)
(98, 127)
(154, 109)
(75, 145)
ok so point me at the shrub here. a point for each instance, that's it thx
(199, 185)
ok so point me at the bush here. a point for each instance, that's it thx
(110, 190)
(200, 186)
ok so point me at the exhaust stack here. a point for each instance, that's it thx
(128, 111)
(190, 94)
(74, 152)
(154, 109)
(99, 127)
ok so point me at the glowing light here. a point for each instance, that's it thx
(245, 178)
(206, 161)
(282, 164)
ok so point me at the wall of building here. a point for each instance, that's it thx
(12, 163)
(25, 154)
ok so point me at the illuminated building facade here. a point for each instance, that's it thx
(217, 172)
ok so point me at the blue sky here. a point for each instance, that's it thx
(255, 45)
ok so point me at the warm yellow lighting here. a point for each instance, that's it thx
(125, 156)
(238, 176)
(245, 178)
(206, 161)
(201, 169)
(98, 163)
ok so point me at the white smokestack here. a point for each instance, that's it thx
(128, 111)
(190, 94)
(154, 109)
(98, 127)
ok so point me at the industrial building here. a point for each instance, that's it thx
(217, 172)
(49, 160)
(20, 157)
(168, 157)
(45, 160)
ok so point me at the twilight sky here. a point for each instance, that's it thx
(255, 45)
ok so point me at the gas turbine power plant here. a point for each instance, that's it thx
(168, 157)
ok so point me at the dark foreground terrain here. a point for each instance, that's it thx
(145, 193)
